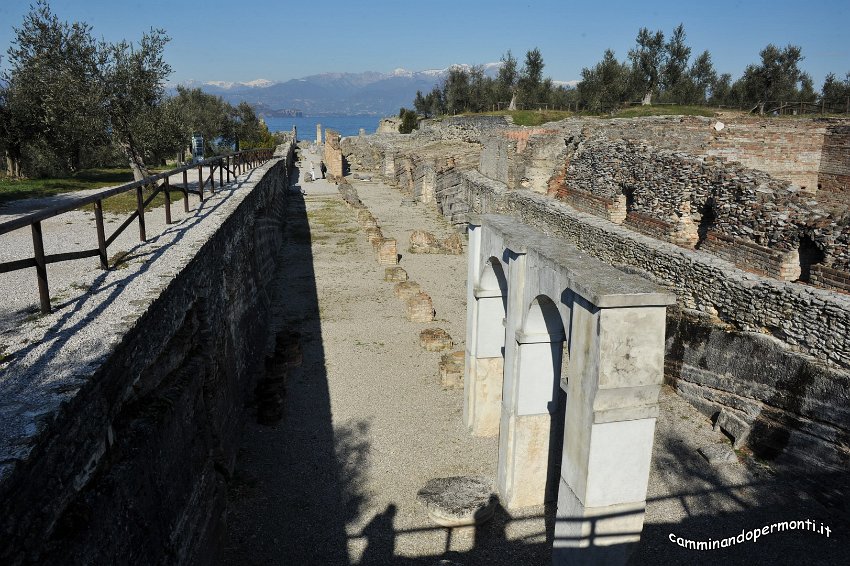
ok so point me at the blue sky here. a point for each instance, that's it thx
(242, 41)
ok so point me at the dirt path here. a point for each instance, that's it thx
(366, 422)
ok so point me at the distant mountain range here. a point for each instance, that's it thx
(334, 93)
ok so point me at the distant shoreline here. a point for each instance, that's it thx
(346, 125)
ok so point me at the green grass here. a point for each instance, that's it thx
(665, 110)
(530, 117)
(16, 189)
(539, 117)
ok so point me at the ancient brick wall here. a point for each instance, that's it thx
(743, 215)
(333, 155)
(834, 170)
(766, 144)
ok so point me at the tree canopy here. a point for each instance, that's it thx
(68, 101)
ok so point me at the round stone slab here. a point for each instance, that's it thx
(458, 501)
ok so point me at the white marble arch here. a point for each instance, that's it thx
(560, 301)
(484, 360)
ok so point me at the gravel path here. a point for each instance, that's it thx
(75, 231)
(366, 422)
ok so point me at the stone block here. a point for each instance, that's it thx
(373, 234)
(364, 215)
(437, 340)
(422, 242)
(394, 274)
(388, 252)
(406, 289)
(420, 308)
(458, 501)
(716, 454)
(451, 370)
(453, 245)
(733, 425)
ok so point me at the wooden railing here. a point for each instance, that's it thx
(233, 164)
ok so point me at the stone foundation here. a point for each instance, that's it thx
(420, 308)
(387, 251)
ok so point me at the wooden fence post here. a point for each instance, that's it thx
(101, 234)
(165, 189)
(185, 191)
(40, 267)
(140, 208)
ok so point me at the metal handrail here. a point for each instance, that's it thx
(233, 164)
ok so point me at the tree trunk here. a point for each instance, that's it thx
(13, 164)
(10, 165)
(134, 156)
(647, 99)
(512, 105)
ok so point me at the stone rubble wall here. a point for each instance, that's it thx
(774, 353)
(133, 466)
(745, 216)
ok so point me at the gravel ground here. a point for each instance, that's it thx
(72, 231)
(367, 425)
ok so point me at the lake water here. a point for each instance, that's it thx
(345, 125)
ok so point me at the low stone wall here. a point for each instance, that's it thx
(131, 466)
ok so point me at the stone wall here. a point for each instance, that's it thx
(332, 155)
(760, 223)
(132, 466)
(834, 170)
(793, 404)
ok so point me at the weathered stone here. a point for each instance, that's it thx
(451, 370)
(364, 215)
(733, 425)
(453, 244)
(333, 158)
(458, 501)
(394, 274)
(422, 242)
(388, 252)
(435, 339)
(406, 289)
(716, 454)
(420, 308)
(373, 234)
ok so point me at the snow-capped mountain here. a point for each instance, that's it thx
(337, 93)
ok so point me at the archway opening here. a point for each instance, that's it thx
(544, 318)
(810, 254)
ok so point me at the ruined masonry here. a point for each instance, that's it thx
(742, 228)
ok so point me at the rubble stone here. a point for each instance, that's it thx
(435, 339)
